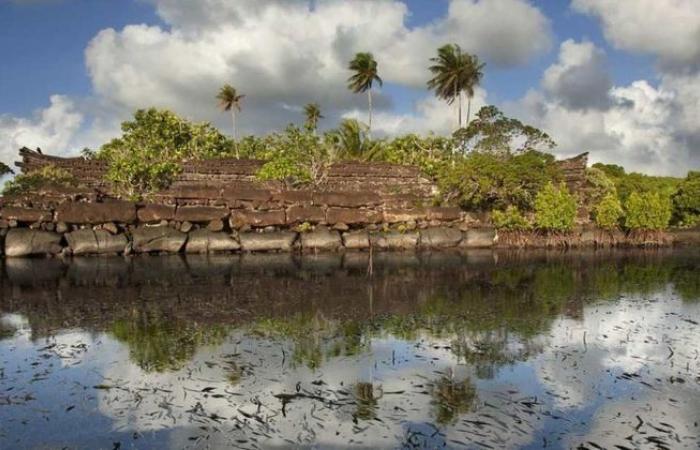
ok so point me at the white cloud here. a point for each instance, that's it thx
(643, 127)
(667, 29)
(52, 129)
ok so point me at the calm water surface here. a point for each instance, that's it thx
(479, 350)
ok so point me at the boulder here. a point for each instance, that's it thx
(265, 242)
(242, 218)
(394, 240)
(478, 238)
(216, 225)
(111, 227)
(321, 239)
(350, 216)
(26, 214)
(95, 213)
(25, 242)
(200, 213)
(356, 240)
(155, 213)
(440, 237)
(300, 214)
(157, 239)
(206, 241)
(397, 215)
(87, 241)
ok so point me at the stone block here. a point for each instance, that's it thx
(26, 214)
(87, 241)
(303, 198)
(267, 242)
(346, 199)
(440, 237)
(200, 213)
(321, 239)
(397, 215)
(356, 240)
(353, 216)
(155, 213)
(205, 241)
(242, 218)
(444, 213)
(478, 238)
(25, 242)
(301, 214)
(394, 240)
(96, 213)
(232, 194)
(201, 191)
(157, 239)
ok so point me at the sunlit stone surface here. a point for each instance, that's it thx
(463, 350)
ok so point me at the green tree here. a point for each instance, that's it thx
(647, 211)
(352, 140)
(511, 219)
(455, 72)
(364, 68)
(312, 113)
(230, 100)
(148, 155)
(686, 201)
(608, 212)
(47, 176)
(555, 208)
(5, 169)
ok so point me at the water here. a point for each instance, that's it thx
(478, 350)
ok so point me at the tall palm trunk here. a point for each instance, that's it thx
(459, 114)
(233, 123)
(469, 108)
(369, 101)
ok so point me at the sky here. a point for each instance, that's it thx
(618, 79)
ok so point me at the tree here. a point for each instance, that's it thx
(312, 111)
(230, 100)
(686, 201)
(5, 169)
(352, 140)
(365, 74)
(555, 208)
(455, 72)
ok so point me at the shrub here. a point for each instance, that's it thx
(608, 212)
(511, 219)
(686, 201)
(647, 211)
(46, 176)
(555, 208)
(148, 155)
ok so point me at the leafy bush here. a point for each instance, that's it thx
(627, 183)
(49, 175)
(148, 155)
(647, 211)
(686, 201)
(511, 219)
(608, 212)
(555, 208)
(598, 185)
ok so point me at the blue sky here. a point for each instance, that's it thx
(43, 45)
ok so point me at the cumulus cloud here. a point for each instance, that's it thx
(667, 29)
(51, 128)
(644, 127)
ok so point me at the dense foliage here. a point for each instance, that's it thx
(148, 155)
(49, 175)
(511, 219)
(555, 209)
(647, 211)
(686, 200)
(608, 212)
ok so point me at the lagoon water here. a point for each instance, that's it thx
(476, 350)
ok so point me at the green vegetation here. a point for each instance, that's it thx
(608, 212)
(647, 211)
(555, 209)
(312, 113)
(49, 175)
(686, 201)
(230, 100)
(510, 220)
(148, 156)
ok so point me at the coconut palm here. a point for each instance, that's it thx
(365, 74)
(455, 72)
(312, 111)
(230, 100)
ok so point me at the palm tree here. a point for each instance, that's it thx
(455, 72)
(364, 67)
(230, 100)
(312, 111)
